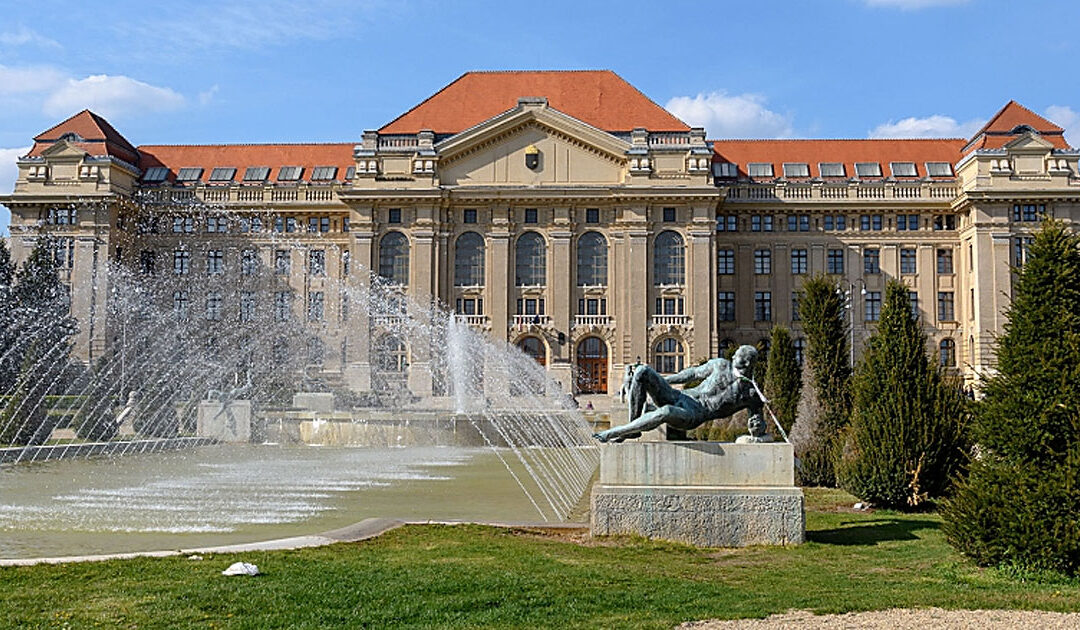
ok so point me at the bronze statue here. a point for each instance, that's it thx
(726, 387)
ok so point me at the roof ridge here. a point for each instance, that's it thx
(252, 144)
(834, 139)
(537, 71)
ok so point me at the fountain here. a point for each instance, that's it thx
(199, 359)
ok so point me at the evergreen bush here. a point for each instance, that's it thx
(1020, 502)
(905, 442)
(783, 378)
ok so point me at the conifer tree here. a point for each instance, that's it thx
(905, 441)
(783, 380)
(821, 307)
(1020, 503)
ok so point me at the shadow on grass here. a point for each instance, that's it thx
(871, 532)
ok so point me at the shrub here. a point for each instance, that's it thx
(783, 380)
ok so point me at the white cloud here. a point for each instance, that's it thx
(8, 174)
(936, 126)
(913, 5)
(22, 36)
(731, 116)
(208, 95)
(29, 79)
(1064, 116)
(111, 96)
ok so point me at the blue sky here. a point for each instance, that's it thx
(325, 70)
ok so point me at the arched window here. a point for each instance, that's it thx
(669, 258)
(469, 260)
(947, 353)
(530, 263)
(668, 356)
(394, 258)
(534, 348)
(592, 260)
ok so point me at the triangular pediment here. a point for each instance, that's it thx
(63, 149)
(1029, 141)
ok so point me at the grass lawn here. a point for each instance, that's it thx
(470, 576)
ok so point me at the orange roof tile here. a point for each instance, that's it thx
(99, 137)
(848, 152)
(241, 156)
(600, 98)
(997, 132)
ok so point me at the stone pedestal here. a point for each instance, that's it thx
(229, 424)
(319, 402)
(711, 494)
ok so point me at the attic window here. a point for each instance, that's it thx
(289, 173)
(1019, 129)
(350, 173)
(867, 169)
(71, 136)
(939, 169)
(796, 169)
(256, 173)
(155, 174)
(725, 169)
(760, 169)
(222, 174)
(903, 169)
(189, 174)
(323, 173)
(831, 169)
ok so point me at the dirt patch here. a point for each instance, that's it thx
(902, 619)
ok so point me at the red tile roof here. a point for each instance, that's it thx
(98, 137)
(998, 131)
(241, 156)
(813, 152)
(600, 98)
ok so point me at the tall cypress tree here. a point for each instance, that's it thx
(822, 309)
(783, 378)
(905, 441)
(1020, 503)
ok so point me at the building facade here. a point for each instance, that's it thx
(564, 212)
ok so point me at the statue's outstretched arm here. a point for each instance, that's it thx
(689, 374)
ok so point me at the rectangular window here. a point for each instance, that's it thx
(945, 222)
(867, 169)
(762, 261)
(725, 262)
(761, 223)
(834, 261)
(763, 306)
(345, 224)
(1028, 212)
(291, 224)
(872, 305)
(155, 174)
(831, 169)
(907, 222)
(725, 169)
(913, 301)
(393, 215)
(217, 224)
(903, 169)
(313, 225)
(907, 261)
(324, 224)
(222, 174)
(183, 225)
(669, 215)
(282, 261)
(944, 261)
(530, 215)
(215, 259)
(468, 215)
(181, 262)
(256, 173)
(189, 174)
(279, 224)
(760, 169)
(799, 261)
(726, 223)
(323, 173)
(945, 311)
(795, 306)
(868, 222)
(147, 262)
(315, 306)
(1020, 250)
(796, 169)
(592, 215)
(282, 306)
(939, 169)
(249, 262)
(247, 306)
(289, 173)
(213, 306)
(871, 261)
(180, 305)
(317, 262)
(798, 223)
(726, 306)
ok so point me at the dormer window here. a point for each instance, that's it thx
(831, 169)
(155, 174)
(760, 169)
(222, 174)
(71, 136)
(725, 169)
(323, 173)
(1019, 129)
(350, 173)
(256, 173)
(796, 169)
(867, 169)
(939, 169)
(289, 173)
(903, 169)
(189, 174)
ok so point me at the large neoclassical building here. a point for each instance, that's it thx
(564, 212)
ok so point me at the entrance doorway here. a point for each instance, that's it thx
(592, 363)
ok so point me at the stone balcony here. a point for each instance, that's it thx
(592, 321)
(669, 320)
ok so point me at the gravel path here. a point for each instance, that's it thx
(903, 619)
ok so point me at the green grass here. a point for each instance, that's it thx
(472, 576)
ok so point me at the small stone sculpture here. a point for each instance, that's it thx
(724, 389)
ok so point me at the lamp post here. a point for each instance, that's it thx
(851, 312)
